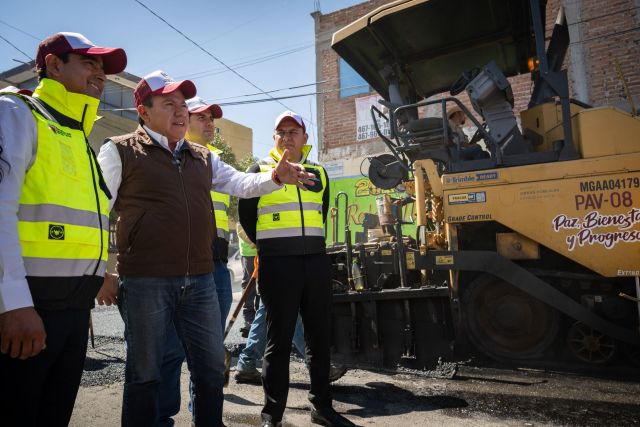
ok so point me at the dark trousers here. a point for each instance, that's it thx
(251, 305)
(288, 285)
(41, 390)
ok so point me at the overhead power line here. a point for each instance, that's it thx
(205, 51)
(259, 100)
(278, 90)
(256, 60)
(247, 63)
(20, 31)
(261, 15)
(16, 48)
(256, 101)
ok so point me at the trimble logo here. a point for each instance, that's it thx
(58, 131)
(458, 179)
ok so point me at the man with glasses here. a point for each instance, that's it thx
(294, 270)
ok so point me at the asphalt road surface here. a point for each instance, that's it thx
(477, 396)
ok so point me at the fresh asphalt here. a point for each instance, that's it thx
(477, 396)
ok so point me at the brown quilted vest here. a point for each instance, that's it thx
(166, 225)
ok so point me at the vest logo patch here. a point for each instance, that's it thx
(276, 216)
(57, 131)
(56, 232)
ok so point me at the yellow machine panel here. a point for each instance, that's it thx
(587, 210)
(605, 131)
(601, 131)
(541, 119)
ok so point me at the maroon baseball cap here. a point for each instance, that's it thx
(198, 105)
(114, 59)
(159, 83)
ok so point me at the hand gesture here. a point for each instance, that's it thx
(293, 173)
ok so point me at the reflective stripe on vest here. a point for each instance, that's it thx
(45, 267)
(280, 215)
(54, 213)
(61, 232)
(289, 206)
(290, 232)
(220, 206)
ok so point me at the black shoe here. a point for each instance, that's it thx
(336, 372)
(329, 417)
(249, 376)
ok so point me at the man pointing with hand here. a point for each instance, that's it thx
(161, 186)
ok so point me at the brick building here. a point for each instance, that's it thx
(602, 33)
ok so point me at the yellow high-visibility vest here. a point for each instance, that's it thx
(220, 206)
(63, 215)
(289, 212)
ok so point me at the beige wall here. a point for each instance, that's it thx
(109, 125)
(238, 137)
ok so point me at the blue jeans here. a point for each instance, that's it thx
(169, 397)
(169, 403)
(257, 341)
(223, 288)
(150, 307)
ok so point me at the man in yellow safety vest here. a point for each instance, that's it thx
(202, 131)
(294, 269)
(53, 229)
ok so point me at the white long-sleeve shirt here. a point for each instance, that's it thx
(226, 179)
(19, 142)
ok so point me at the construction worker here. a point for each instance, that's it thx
(253, 351)
(53, 229)
(202, 131)
(161, 190)
(294, 274)
(460, 140)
